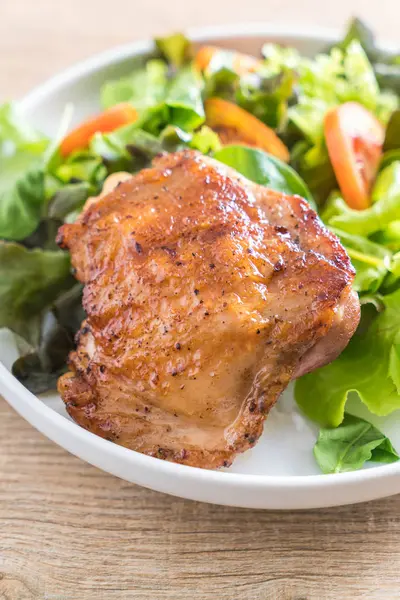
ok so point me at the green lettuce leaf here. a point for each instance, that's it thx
(39, 370)
(17, 134)
(388, 158)
(144, 87)
(386, 65)
(220, 78)
(22, 195)
(262, 168)
(205, 140)
(329, 80)
(349, 446)
(388, 76)
(30, 280)
(129, 148)
(81, 166)
(267, 96)
(159, 100)
(371, 261)
(175, 48)
(184, 99)
(358, 30)
(384, 210)
(367, 366)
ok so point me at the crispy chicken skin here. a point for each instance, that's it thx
(205, 295)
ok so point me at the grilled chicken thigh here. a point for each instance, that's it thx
(205, 295)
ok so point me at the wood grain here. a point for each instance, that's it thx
(69, 531)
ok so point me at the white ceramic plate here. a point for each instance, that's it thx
(280, 471)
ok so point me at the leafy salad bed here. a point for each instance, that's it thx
(283, 121)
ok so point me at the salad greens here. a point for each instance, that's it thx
(265, 169)
(30, 280)
(368, 366)
(349, 446)
(42, 186)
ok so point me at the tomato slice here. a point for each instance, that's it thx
(236, 125)
(354, 138)
(109, 120)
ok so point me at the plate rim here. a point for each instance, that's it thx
(43, 417)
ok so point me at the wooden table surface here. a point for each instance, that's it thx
(69, 531)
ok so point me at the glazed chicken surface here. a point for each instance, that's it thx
(205, 295)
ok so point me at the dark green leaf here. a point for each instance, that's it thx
(220, 80)
(388, 158)
(30, 280)
(67, 199)
(262, 168)
(388, 76)
(39, 370)
(359, 31)
(315, 168)
(44, 236)
(352, 444)
(22, 196)
(392, 137)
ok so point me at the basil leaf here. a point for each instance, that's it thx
(22, 195)
(262, 168)
(349, 446)
(30, 280)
